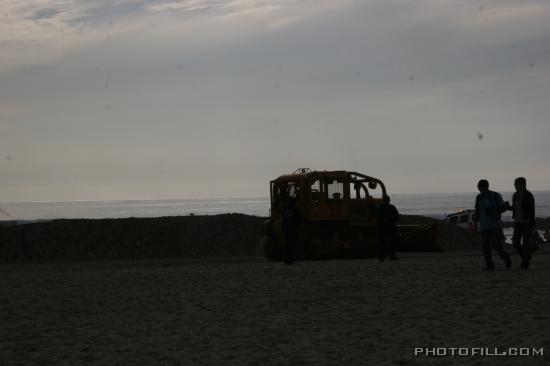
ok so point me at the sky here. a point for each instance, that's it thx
(132, 99)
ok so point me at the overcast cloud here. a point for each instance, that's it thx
(213, 98)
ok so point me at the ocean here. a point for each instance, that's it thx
(436, 205)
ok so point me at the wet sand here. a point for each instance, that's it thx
(253, 312)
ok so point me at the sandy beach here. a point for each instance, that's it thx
(247, 311)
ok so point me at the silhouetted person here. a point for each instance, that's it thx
(523, 207)
(388, 216)
(291, 222)
(489, 207)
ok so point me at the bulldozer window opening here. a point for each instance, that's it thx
(283, 192)
(375, 191)
(335, 190)
(316, 191)
(358, 191)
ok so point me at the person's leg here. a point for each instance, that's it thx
(521, 243)
(498, 245)
(382, 239)
(516, 240)
(394, 242)
(289, 248)
(526, 236)
(486, 236)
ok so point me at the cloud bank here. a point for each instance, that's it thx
(159, 99)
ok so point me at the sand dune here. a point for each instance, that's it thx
(230, 235)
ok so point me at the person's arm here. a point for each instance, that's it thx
(395, 215)
(531, 205)
(500, 203)
(476, 214)
(512, 206)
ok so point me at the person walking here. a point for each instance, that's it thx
(388, 216)
(523, 208)
(488, 208)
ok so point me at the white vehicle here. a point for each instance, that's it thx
(466, 220)
(463, 218)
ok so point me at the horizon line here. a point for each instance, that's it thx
(228, 198)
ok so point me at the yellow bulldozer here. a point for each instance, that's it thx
(338, 210)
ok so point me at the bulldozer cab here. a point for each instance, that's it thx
(327, 195)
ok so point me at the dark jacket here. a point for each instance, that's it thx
(527, 206)
(388, 216)
(496, 207)
(292, 218)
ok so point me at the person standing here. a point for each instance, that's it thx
(388, 216)
(488, 208)
(291, 221)
(523, 208)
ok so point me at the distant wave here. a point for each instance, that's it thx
(436, 205)
(5, 213)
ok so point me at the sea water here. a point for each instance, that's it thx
(436, 205)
